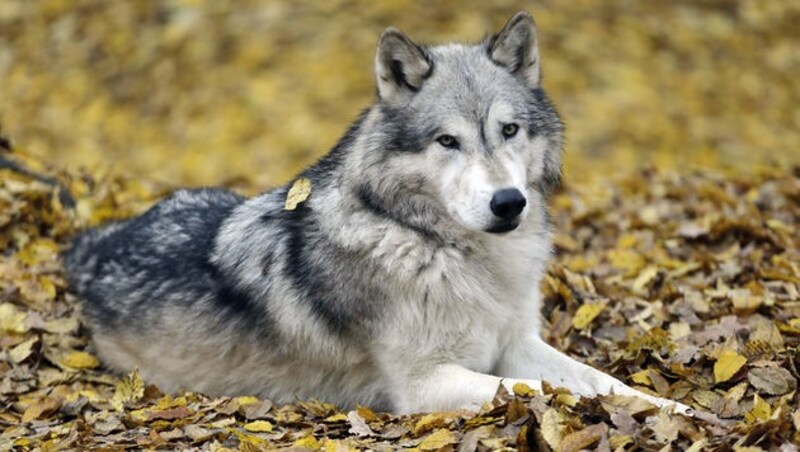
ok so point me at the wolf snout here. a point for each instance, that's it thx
(508, 203)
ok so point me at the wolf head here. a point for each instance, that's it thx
(461, 135)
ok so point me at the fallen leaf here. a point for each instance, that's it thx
(728, 363)
(358, 426)
(22, 351)
(41, 408)
(523, 390)
(761, 410)
(772, 380)
(170, 414)
(642, 377)
(429, 422)
(583, 438)
(129, 389)
(308, 442)
(438, 439)
(258, 426)
(586, 314)
(80, 360)
(552, 428)
(12, 320)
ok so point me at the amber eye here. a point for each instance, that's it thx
(509, 130)
(448, 141)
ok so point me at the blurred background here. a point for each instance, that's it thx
(207, 92)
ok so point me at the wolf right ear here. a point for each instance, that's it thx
(515, 48)
(400, 66)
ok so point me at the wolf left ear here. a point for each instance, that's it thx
(400, 66)
(515, 48)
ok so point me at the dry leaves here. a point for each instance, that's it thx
(685, 286)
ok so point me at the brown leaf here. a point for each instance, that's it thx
(170, 414)
(583, 438)
(41, 408)
(772, 380)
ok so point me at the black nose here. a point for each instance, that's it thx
(507, 203)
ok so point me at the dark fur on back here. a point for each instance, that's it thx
(126, 269)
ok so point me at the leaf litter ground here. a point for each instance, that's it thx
(685, 286)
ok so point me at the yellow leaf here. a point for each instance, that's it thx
(642, 377)
(437, 440)
(247, 400)
(523, 390)
(761, 410)
(628, 260)
(129, 389)
(80, 360)
(12, 320)
(567, 399)
(727, 365)
(258, 426)
(335, 445)
(644, 278)
(585, 314)
(300, 191)
(338, 417)
(309, 442)
(428, 423)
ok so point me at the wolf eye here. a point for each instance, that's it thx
(509, 130)
(448, 141)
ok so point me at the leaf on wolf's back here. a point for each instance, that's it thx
(583, 438)
(22, 351)
(298, 193)
(258, 426)
(438, 439)
(80, 360)
(41, 408)
(129, 389)
(772, 380)
(585, 314)
(728, 363)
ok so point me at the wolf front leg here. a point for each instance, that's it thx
(445, 387)
(531, 357)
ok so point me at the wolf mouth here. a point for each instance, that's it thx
(503, 227)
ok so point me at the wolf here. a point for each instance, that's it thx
(407, 281)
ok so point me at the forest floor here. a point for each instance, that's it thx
(682, 281)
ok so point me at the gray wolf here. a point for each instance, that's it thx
(407, 281)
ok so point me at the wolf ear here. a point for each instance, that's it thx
(515, 48)
(400, 66)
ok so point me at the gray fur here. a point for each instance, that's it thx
(383, 288)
